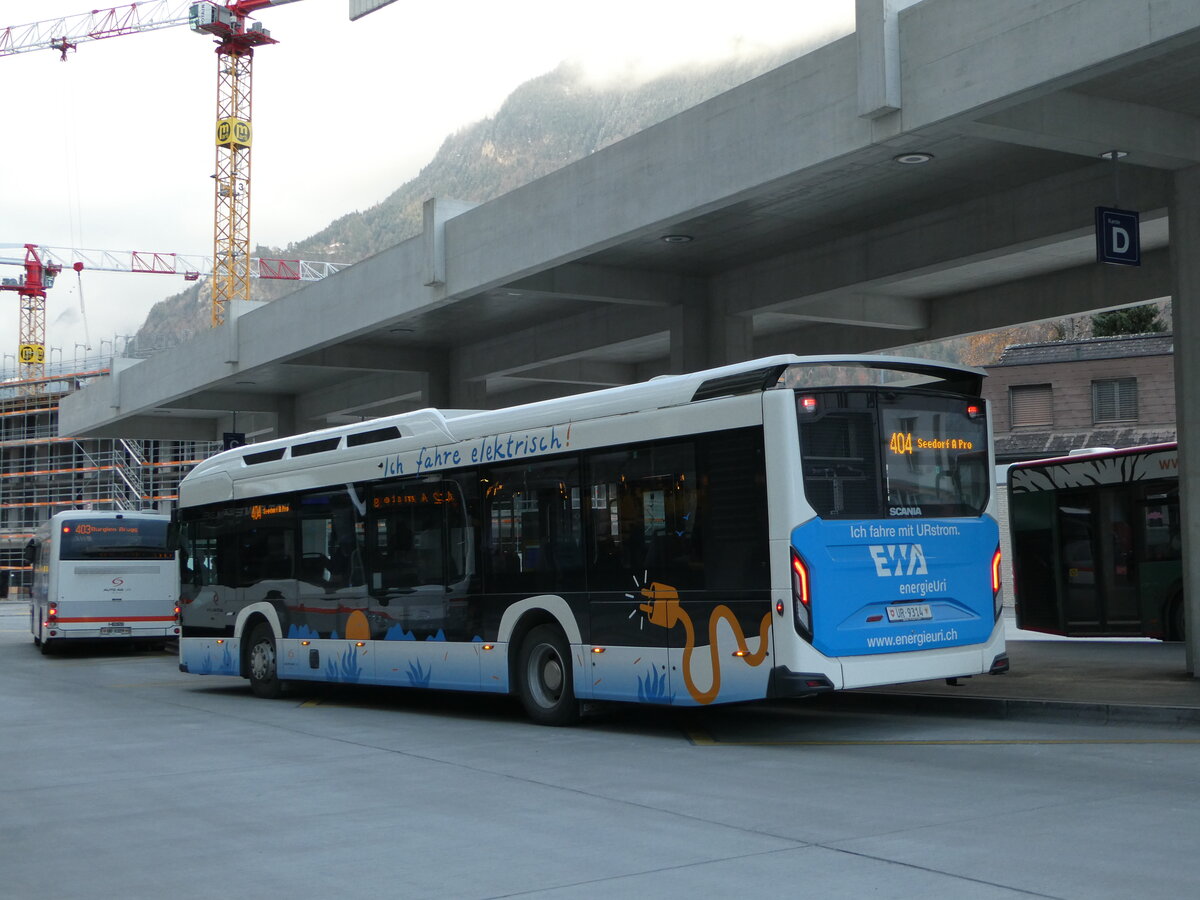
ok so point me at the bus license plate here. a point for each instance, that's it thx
(910, 612)
(115, 629)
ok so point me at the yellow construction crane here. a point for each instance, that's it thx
(227, 23)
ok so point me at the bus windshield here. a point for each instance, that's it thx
(876, 453)
(115, 538)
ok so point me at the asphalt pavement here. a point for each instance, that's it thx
(1107, 678)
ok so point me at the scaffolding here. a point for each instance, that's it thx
(43, 472)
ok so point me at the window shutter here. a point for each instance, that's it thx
(1031, 404)
(1115, 400)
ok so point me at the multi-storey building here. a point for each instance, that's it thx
(1051, 398)
(43, 472)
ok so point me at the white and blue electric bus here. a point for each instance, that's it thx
(777, 528)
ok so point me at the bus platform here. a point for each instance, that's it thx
(1106, 679)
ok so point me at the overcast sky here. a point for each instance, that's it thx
(113, 150)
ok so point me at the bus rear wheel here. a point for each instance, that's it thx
(544, 677)
(262, 663)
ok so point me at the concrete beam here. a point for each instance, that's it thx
(558, 341)
(583, 372)
(160, 427)
(358, 395)
(983, 228)
(225, 401)
(1068, 292)
(1071, 122)
(606, 284)
(367, 356)
(871, 310)
(961, 56)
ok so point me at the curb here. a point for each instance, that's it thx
(1019, 709)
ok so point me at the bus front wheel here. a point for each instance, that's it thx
(544, 677)
(262, 663)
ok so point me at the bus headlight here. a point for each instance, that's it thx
(801, 596)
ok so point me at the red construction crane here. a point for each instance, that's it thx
(43, 264)
(39, 275)
(226, 22)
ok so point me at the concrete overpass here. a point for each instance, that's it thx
(791, 214)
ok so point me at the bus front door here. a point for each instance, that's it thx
(1077, 542)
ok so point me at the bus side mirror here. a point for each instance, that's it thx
(173, 536)
(31, 552)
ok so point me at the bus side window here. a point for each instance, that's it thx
(417, 535)
(1159, 520)
(645, 517)
(535, 527)
(328, 541)
(200, 551)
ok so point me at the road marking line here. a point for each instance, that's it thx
(147, 684)
(702, 739)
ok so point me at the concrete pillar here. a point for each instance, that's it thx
(689, 336)
(1185, 268)
(461, 392)
(437, 391)
(730, 338)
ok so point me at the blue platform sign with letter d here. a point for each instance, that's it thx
(1117, 239)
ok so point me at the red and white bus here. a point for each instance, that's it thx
(102, 575)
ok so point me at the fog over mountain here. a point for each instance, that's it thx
(544, 124)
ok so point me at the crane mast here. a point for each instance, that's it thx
(234, 136)
(39, 275)
(227, 23)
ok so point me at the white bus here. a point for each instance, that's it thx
(777, 528)
(101, 575)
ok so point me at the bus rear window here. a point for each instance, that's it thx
(890, 454)
(113, 539)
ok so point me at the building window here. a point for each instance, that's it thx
(1031, 404)
(1115, 400)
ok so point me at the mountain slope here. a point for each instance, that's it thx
(544, 124)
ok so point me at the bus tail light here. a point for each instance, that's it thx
(997, 600)
(51, 616)
(801, 595)
(808, 405)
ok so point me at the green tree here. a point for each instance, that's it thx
(1133, 320)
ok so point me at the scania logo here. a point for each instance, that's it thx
(904, 510)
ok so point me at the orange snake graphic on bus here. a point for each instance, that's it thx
(665, 611)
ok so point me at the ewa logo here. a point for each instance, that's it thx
(898, 559)
(904, 511)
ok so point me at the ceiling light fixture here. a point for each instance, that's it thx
(676, 238)
(912, 159)
(1113, 154)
